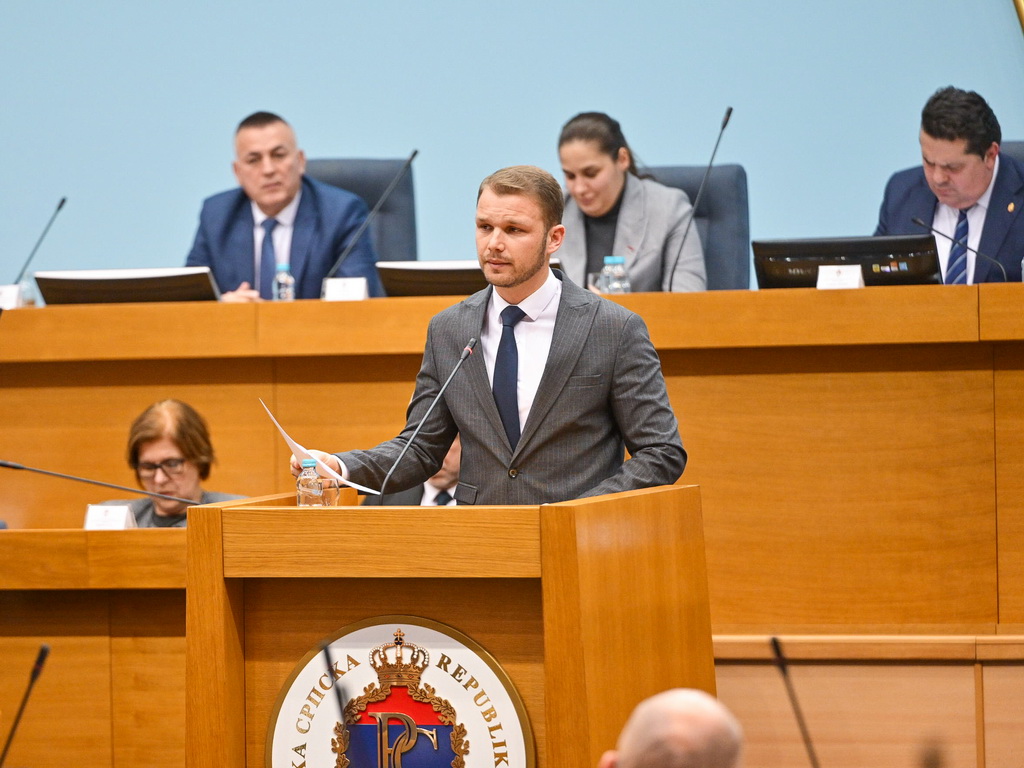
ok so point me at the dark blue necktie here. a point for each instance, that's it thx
(268, 260)
(506, 374)
(956, 267)
(442, 499)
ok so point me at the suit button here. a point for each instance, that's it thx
(513, 473)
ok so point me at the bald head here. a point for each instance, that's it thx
(680, 728)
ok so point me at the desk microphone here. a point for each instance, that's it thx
(338, 692)
(934, 231)
(780, 660)
(37, 668)
(466, 352)
(13, 465)
(40, 240)
(366, 222)
(700, 194)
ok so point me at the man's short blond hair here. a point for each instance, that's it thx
(532, 182)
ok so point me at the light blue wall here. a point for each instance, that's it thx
(128, 108)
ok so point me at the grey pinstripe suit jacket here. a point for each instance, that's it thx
(602, 391)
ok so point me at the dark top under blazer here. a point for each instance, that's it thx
(602, 390)
(324, 223)
(907, 196)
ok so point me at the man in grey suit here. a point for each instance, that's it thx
(562, 383)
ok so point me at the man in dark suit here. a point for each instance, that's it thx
(562, 383)
(278, 215)
(965, 189)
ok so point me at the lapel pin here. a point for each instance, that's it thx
(1010, 207)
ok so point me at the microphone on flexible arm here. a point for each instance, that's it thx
(366, 222)
(700, 194)
(780, 660)
(466, 352)
(934, 231)
(14, 465)
(39, 242)
(37, 668)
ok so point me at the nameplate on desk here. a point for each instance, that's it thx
(344, 289)
(109, 517)
(840, 276)
(10, 296)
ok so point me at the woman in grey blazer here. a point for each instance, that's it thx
(611, 210)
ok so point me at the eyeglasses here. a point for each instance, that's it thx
(147, 469)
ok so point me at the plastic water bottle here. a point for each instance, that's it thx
(309, 491)
(613, 277)
(284, 284)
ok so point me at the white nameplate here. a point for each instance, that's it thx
(840, 276)
(344, 289)
(109, 517)
(10, 296)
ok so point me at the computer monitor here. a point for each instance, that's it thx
(114, 286)
(886, 260)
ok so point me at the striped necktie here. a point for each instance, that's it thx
(956, 269)
(268, 260)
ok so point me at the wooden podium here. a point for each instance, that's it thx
(588, 605)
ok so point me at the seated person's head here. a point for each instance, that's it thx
(268, 162)
(679, 728)
(595, 160)
(960, 138)
(169, 448)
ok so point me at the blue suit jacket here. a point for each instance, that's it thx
(324, 223)
(907, 196)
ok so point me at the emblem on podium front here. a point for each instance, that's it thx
(399, 692)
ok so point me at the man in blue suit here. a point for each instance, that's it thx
(964, 189)
(279, 216)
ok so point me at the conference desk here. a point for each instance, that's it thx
(860, 457)
(883, 423)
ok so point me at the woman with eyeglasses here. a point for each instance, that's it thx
(169, 448)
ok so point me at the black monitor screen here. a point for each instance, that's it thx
(888, 260)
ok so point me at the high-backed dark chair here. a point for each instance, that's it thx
(1014, 149)
(723, 219)
(394, 228)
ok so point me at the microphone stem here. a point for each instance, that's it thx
(12, 465)
(366, 222)
(791, 692)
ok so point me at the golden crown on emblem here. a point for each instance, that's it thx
(389, 662)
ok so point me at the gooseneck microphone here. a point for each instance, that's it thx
(37, 668)
(13, 465)
(780, 660)
(934, 231)
(466, 352)
(40, 240)
(366, 222)
(700, 194)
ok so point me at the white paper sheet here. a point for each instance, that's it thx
(301, 453)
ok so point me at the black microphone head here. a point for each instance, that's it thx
(61, 203)
(777, 650)
(413, 155)
(44, 651)
(725, 120)
(917, 220)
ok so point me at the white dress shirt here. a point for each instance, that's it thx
(282, 235)
(533, 338)
(945, 221)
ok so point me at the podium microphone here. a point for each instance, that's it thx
(700, 194)
(37, 668)
(366, 222)
(466, 352)
(13, 465)
(40, 240)
(934, 231)
(780, 660)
